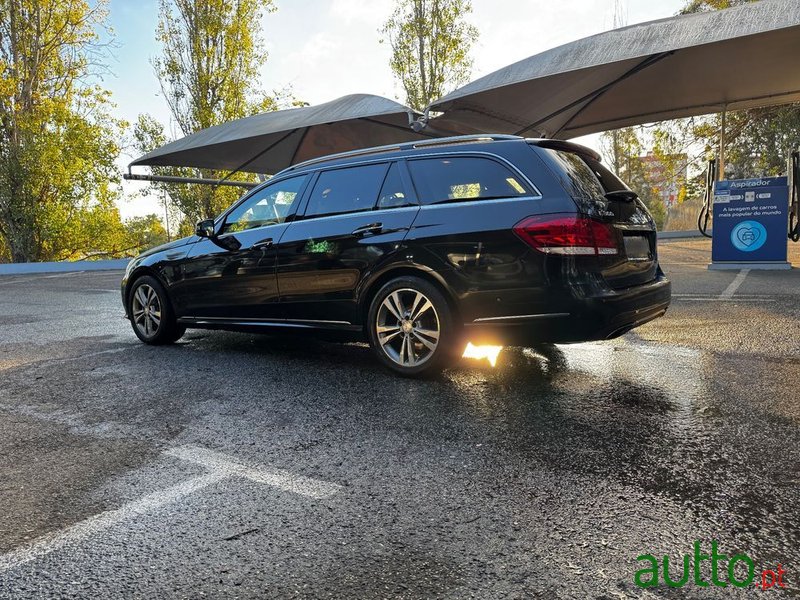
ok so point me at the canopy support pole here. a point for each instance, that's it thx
(722, 134)
(198, 180)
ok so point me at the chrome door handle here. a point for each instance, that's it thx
(371, 228)
(265, 243)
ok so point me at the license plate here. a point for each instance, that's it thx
(637, 247)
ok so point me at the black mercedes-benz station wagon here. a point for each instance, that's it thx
(416, 248)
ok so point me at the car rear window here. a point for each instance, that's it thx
(583, 176)
(453, 179)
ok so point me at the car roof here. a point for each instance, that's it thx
(394, 151)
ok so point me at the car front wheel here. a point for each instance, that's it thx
(411, 327)
(151, 313)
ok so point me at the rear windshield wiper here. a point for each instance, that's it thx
(623, 195)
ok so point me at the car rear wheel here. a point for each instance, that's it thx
(411, 327)
(151, 313)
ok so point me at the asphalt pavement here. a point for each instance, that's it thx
(241, 466)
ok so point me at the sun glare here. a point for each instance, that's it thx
(490, 353)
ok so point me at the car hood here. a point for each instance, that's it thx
(169, 246)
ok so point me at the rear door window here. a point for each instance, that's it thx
(346, 190)
(454, 179)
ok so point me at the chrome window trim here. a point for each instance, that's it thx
(383, 159)
(452, 203)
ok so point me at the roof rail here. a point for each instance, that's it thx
(361, 152)
(447, 141)
(462, 139)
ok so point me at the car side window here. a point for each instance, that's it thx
(346, 190)
(268, 206)
(451, 179)
(392, 193)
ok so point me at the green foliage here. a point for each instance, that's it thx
(145, 232)
(693, 6)
(758, 140)
(208, 70)
(58, 140)
(430, 41)
(212, 51)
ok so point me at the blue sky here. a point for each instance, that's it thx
(324, 49)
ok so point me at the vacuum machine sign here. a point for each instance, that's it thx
(750, 219)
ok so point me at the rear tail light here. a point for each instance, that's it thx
(568, 234)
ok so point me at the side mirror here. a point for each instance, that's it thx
(205, 228)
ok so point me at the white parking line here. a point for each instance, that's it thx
(741, 299)
(220, 467)
(27, 279)
(80, 531)
(737, 281)
(284, 480)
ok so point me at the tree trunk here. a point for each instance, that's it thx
(419, 10)
(21, 244)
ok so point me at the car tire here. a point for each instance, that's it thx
(150, 312)
(411, 328)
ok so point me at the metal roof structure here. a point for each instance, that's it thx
(271, 141)
(731, 59)
(687, 65)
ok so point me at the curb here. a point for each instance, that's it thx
(678, 235)
(63, 267)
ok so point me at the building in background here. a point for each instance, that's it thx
(666, 176)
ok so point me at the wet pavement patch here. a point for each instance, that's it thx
(543, 477)
(48, 474)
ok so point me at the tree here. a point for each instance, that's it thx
(148, 134)
(761, 140)
(58, 141)
(430, 41)
(145, 232)
(211, 54)
(694, 6)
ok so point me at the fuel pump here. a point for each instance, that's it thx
(708, 198)
(794, 196)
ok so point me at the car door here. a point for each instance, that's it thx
(469, 204)
(354, 220)
(232, 276)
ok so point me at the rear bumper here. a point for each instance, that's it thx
(575, 319)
